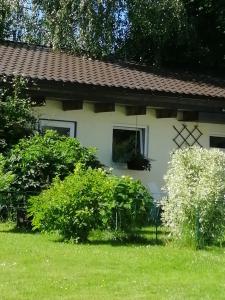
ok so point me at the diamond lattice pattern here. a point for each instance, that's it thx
(186, 137)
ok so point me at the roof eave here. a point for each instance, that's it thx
(67, 91)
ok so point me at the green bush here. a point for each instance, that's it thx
(39, 159)
(195, 208)
(16, 116)
(87, 200)
(72, 206)
(5, 178)
(131, 204)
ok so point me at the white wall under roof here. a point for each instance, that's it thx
(95, 129)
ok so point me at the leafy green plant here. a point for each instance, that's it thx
(131, 204)
(194, 210)
(73, 206)
(5, 178)
(90, 199)
(139, 162)
(39, 159)
(16, 116)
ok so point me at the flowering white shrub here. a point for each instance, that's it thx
(194, 209)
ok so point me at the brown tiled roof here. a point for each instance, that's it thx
(43, 63)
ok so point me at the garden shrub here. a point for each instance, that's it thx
(37, 160)
(87, 200)
(5, 178)
(16, 116)
(131, 204)
(72, 206)
(194, 210)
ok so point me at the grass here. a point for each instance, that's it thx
(35, 266)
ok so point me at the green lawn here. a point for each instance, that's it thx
(35, 266)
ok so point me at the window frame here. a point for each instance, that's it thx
(143, 138)
(219, 135)
(72, 125)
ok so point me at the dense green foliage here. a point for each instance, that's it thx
(204, 44)
(73, 207)
(21, 20)
(5, 178)
(131, 204)
(154, 25)
(35, 161)
(16, 117)
(160, 32)
(90, 199)
(90, 27)
(177, 33)
(195, 208)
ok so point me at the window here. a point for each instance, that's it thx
(62, 127)
(127, 141)
(217, 142)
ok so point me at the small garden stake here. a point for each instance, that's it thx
(197, 230)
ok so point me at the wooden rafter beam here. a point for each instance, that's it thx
(72, 105)
(121, 96)
(188, 116)
(165, 113)
(104, 107)
(37, 100)
(216, 118)
(135, 110)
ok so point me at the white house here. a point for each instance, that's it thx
(115, 106)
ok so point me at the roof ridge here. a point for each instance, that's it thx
(59, 65)
(24, 44)
(48, 49)
(64, 50)
(131, 64)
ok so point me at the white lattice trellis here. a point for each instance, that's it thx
(187, 137)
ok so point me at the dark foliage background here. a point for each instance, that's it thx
(16, 116)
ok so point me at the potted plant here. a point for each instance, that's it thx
(138, 161)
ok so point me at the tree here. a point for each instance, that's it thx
(4, 12)
(21, 20)
(152, 25)
(11, 19)
(37, 160)
(90, 27)
(16, 117)
(177, 33)
(206, 39)
(162, 33)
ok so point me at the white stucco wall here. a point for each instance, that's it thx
(95, 129)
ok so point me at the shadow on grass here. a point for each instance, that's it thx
(151, 231)
(220, 245)
(20, 230)
(140, 237)
(118, 243)
(143, 237)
